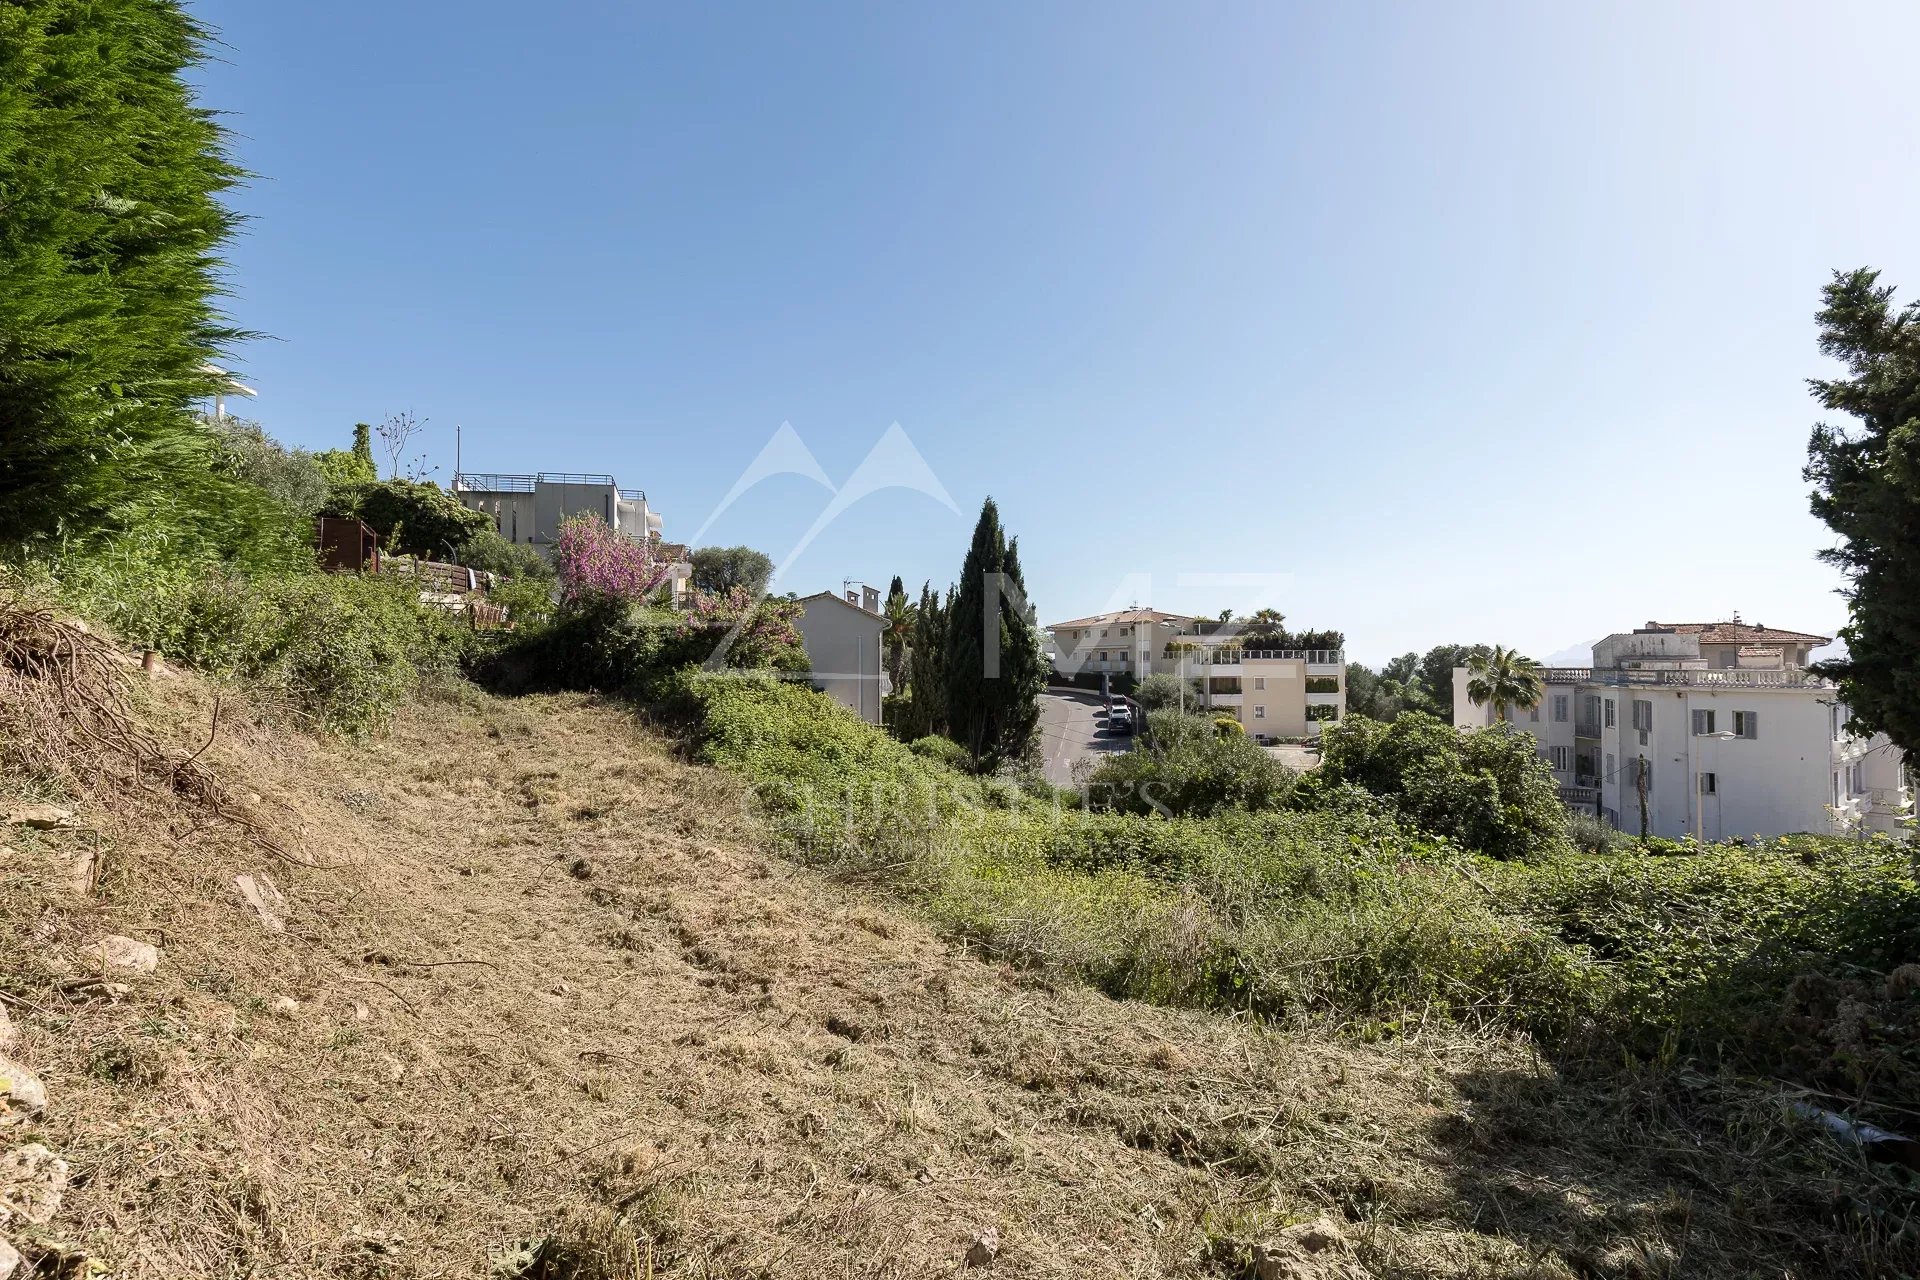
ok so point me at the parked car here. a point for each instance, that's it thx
(1120, 719)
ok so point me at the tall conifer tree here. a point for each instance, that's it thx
(995, 669)
(110, 178)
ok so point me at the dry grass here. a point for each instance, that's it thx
(556, 1017)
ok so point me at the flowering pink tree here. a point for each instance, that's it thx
(766, 634)
(594, 560)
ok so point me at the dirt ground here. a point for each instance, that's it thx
(543, 1007)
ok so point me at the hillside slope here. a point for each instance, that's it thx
(542, 1007)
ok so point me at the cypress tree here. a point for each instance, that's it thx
(994, 716)
(109, 182)
(1867, 489)
(927, 664)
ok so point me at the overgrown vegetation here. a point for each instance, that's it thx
(1773, 960)
(1190, 766)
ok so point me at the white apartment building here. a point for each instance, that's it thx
(1717, 728)
(1128, 642)
(1281, 693)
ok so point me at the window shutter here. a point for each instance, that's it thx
(1752, 726)
(1699, 723)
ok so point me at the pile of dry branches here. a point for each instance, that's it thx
(65, 717)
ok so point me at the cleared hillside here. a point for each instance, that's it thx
(542, 1006)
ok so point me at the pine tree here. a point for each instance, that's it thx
(1867, 489)
(109, 181)
(995, 668)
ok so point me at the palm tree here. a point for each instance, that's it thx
(900, 614)
(1506, 678)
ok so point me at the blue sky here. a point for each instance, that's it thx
(1428, 323)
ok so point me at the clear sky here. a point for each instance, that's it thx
(1469, 322)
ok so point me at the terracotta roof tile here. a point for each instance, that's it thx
(1743, 633)
(1124, 615)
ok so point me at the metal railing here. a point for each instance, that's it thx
(1730, 677)
(493, 482)
(1586, 729)
(634, 495)
(1219, 657)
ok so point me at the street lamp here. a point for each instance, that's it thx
(1699, 798)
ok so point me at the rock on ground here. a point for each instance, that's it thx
(32, 1180)
(22, 1096)
(127, 955)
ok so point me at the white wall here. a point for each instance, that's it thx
(844, 650)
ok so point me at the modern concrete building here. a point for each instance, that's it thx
(1281, 693)
(1718, 727)
(842, 635)
(529, 508)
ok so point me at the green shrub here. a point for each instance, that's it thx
(1488, 789)
(412, 517)
(1589, 834)
(1187, 765)
(941, 750)
(334, 651)
(528, 601)
(488, 550)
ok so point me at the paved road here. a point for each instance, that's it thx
(1073, 726)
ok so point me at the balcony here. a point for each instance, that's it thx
(1580, 797)
(1723, 678)
(1323, 699)
(1888, 800)
(1223, 699)
(1587, 729)
(1334, 660)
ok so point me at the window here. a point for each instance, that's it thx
(1859, 780)
(1562, 759)
(1609, 719)
(1836, 791)
(1126, 631)
(1746, 724)
(1709, 785)
(1643, 718)
(1260, 712)
(1590, 710)
(1533, 713)
(1608, 775)
(1259, 682)
(1702, 723)
(1560, 708)
(1103, 655)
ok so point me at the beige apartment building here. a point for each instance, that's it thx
(1280, 693)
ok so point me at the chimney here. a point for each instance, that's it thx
(870, 599)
